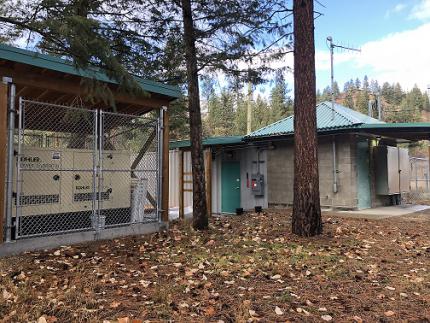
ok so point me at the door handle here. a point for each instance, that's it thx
(238, 188)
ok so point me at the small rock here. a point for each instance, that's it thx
(357, 319)
(41, 319)
(326, 317)
(322, 309)
(403, 295)
(278, 311)
(389, 313)
(57, 253)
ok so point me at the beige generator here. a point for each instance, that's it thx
(59, 181)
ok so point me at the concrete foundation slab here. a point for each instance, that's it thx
(384, 212)
(41, 243)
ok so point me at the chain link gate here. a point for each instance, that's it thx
(79, 169)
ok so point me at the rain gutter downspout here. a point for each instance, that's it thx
(334, 165)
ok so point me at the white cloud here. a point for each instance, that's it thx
(399, 57)
(421, 11)
(396, 9)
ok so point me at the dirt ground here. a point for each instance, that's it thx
(245, 268)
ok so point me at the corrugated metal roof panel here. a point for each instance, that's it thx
(343, 118)
(23, 56)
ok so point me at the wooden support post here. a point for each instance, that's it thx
(181, 184)
(208, 179)
(165, 169)
(3, 156)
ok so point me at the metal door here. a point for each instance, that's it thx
(230, 186)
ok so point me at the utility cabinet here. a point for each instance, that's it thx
(257, 184)
(392, 172)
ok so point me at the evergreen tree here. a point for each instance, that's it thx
(336, 90)
(306, 218)
(362, 103)
(366, 86)
(357, 83)
(178, 122)
(326, 94)
(348, 100)
(260, 113)
(280, 104)
(374, 86)
(426, 102)
(240, 116)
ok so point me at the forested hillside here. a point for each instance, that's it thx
(226, 109)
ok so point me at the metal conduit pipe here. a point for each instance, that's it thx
(10, 157)
(334, 165)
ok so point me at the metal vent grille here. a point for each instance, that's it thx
(38, 199)
(81, 197)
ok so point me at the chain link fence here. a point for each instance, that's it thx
(419, 181)
(79, 169)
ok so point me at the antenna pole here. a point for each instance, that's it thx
(332, 46)
(330, 39)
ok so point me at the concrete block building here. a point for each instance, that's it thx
(349, 154)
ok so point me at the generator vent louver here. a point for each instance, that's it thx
(80, 197)
(39, 199)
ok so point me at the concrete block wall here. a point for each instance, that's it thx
(280, 169)
(248, 164)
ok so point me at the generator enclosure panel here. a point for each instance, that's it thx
(62, 181)
(257, 184)
(392, 170)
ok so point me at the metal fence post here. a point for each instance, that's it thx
(95, 164)
(160, 162)
(10, 157)
(100, 173)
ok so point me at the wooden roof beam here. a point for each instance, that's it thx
(73, 87)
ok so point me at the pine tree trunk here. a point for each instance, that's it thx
(200, 213)
(306, 206)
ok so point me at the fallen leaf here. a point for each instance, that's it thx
(114, 304)
(278, 311)
(210, 311)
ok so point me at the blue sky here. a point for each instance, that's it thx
(393, 35)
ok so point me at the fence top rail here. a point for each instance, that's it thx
(56, 105)
(133, 116)
(418, 158)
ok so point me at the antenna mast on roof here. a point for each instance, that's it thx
(332, 46)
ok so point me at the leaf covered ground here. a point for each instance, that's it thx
(244, 269)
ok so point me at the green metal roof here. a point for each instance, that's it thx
(32, 58)
(400, 125)
(344, 118)
(211, 141)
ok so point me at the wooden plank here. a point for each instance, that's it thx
(3, 155)
(208, 179)
(165, 169)
(187, 182)
(188, 173)
(188, 190)
(143, 151)
(181, 184)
